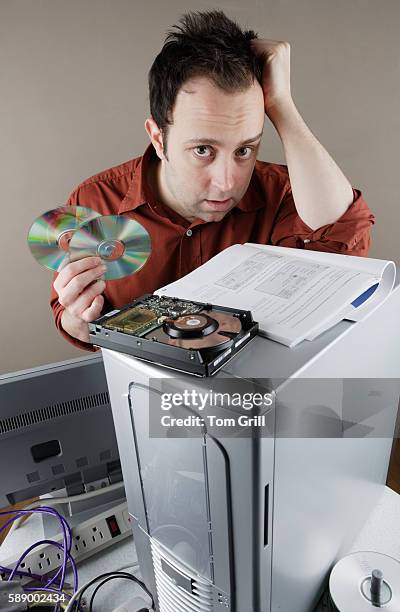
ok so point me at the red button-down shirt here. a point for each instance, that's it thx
(265, 215)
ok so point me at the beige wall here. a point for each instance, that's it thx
(74, 98)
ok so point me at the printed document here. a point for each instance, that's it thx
(294, 294)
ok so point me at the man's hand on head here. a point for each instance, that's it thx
(321, 192)
(276, 74)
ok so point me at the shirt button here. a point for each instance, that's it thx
(189, 232)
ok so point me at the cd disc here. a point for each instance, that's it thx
(50, 235)
(123, 244)
(351, 588)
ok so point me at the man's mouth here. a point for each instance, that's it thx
(219, 204)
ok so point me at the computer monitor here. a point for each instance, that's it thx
(57, 432)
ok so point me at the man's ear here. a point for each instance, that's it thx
(155, 135)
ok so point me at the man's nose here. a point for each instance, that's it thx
(223, 178)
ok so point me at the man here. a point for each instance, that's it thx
(198, 188)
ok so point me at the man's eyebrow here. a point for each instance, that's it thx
(213, 141)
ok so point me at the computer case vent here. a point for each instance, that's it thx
(177, 589)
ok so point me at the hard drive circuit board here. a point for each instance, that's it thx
(148, 315)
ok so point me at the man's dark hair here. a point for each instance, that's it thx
(204, 44)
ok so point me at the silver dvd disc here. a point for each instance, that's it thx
(50, 234)
(350, 582)
(124, 245)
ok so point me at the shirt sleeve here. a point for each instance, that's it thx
(349, 235)
(58, 309)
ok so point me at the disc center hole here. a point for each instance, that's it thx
(386, 591)
(64, 239)
(111, 249)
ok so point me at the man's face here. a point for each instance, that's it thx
(212, 148)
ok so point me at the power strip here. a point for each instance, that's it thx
(88, 538)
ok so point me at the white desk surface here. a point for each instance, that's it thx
(380, 533)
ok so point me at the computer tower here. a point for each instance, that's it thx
(254, 523)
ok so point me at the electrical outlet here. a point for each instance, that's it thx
(88, 538)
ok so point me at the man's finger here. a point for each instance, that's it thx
(94, 311)
(86, 298)
(68, 296)
(78, 284)
(74, 268)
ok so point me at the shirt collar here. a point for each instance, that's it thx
(139, 192)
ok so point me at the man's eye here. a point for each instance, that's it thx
(244, 152)
(203, 151)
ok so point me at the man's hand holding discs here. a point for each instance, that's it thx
(79, 287)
